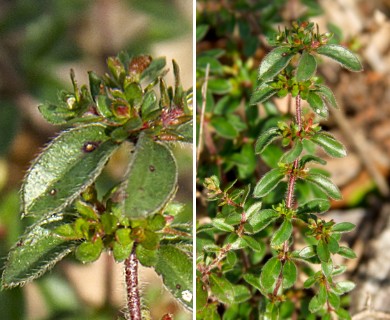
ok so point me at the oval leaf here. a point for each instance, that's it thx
(327, 94)
(323, 251)
(330, 145)
(282, 234)
(314, 206)
(293, 153)
(266, 138)
(175, 267)
(274, 62)
(221, 288)
(270, 273)
(290, 274)
(307, 66)
(262, 93)
(268, 182)
(68, 165)
(325, 184)
(151, 178)
(346, 252)
(342, 55)
(317, 104)
(261, 220)
(34, 254)
(343, 227)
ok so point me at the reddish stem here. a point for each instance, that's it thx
(131, 274)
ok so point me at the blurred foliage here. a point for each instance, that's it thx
(39, 41)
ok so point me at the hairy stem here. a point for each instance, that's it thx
(290, 190)
(133, 298)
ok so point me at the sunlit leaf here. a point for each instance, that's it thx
(342, 55)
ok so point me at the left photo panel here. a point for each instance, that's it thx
(96, 160)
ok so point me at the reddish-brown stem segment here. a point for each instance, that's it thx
(133, 298)
(290, 191)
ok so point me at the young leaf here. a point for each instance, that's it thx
(344, 286)
(254, 244)
(327, 94)
(221, 288)
(330, 145)
(317, 104)
(151, 178)
(262, 93)
(268, 182)
(293, 153)
(290, 274)
(261, 220)
(306, 67)
(307, 252)
(282, 234)
(342, 55)
(266, 138)
(333, 245)
(310, 158)
(35, 253)
(175, 267)
(274, 62)
(220, 224)
(314, 206)
(325, 184)
(346, 252)
(185, 131)
(270, 273)
(343, 227)
(323, 251)
(89, 251)
(69, 164)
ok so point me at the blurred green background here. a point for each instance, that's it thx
(39, 42)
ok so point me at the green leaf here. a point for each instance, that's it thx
(342, 55)
(314, 206)
(322, 295)
(309, 282)
(175, 267)
(151, 178)
(327, 94)
(224, 127)
(330, 145)
(268, 182)
(325, 184)
(261, 220)
(121, 251)
(282, 234)
(266, 138)
(343, 314)
(314, 305)
(253, 280)
(149, 105)
(334, 299)
(333, 245)
(201, 31)
(241, 294)
(147, 258)
(254, 209)
(37, 251)
(57, 114)
(293, 153)
(274, 62)
(185, 131)
(221, 288)
(219, 86)
(89, 251)
(66, 167)
(220, 224)
(346, 252)
(270, 273)
(310, 158)
(290, 274)
(307, 252)
(327, 268)
(343, 227)
(344, 286)
(262, 93)
(323, 251)
(201, 295)
(209, 312)
(254, 244)
(307, 66)
(317, 104)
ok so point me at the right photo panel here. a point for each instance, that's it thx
(292, 159)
